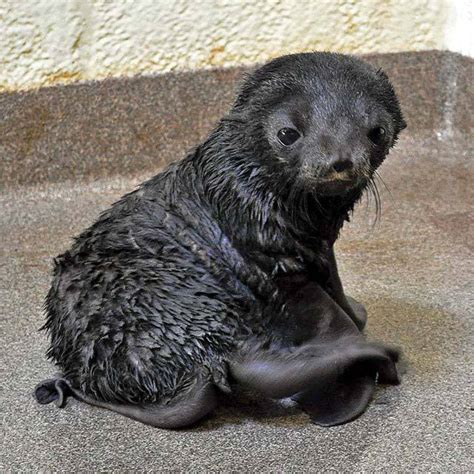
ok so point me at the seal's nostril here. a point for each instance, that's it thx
(342, 165)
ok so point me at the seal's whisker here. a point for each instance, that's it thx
(377, 200)
(379, 177)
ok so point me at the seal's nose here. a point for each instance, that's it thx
(342, 164)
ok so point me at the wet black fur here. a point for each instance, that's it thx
(195, 267)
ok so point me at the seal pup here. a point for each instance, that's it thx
(220, 270)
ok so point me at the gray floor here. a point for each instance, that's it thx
(413, 270)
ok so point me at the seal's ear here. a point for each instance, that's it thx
(394, 105)
(381, 73)
(400, 123)
(267, 80)
(244, 91)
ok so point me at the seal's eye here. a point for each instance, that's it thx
(377, 135)
(288, 136)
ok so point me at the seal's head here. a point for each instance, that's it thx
(321, 121)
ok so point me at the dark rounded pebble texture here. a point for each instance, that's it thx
(413, 270)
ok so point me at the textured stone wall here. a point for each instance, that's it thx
(45, 42)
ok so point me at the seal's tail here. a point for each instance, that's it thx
(185, 410)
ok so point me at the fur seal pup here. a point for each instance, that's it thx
(220, 270)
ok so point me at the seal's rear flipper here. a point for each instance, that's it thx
(53, 390)
(185, 410)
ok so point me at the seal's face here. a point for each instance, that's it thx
(331, 146)
(329, 119)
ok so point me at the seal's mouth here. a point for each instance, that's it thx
(337, 182)
(338, 176)
(330, 182)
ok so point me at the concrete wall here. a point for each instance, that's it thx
(56, 41)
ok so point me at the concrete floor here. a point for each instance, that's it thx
(61, 150)
(413, 270)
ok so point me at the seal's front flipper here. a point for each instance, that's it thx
(356, 311)
(345, 393)
(353, 308)
(333, 374)
(333, 383)
(338, 402)
(185, 410)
